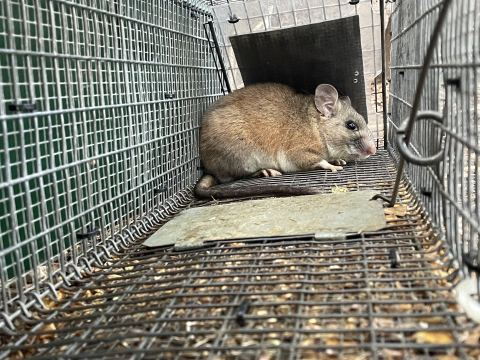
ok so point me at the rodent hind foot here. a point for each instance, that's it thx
(339, 162)
(266, 173)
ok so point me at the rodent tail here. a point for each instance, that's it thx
(203, 190)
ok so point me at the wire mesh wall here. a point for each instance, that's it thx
(263, 15)
(100, 106)
(449, 190)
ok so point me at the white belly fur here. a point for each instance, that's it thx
(259, 160)
(284, 165)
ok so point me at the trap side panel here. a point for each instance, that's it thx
(304, 57)
(328, 213)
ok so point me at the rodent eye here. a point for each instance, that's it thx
(351, 125)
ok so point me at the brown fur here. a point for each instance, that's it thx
(269, 126)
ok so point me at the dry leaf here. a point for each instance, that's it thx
(113, 276)
(332, 342)
(431, 319)
(433, 337)
(204, 341)
(473, 337)
(264, 355)
(308, 342)
(391, 353)
(338, 189)
(397, 210)
(47, 327)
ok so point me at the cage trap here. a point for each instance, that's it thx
(100, 108)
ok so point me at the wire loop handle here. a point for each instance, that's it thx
(418, 93)
(402, 142)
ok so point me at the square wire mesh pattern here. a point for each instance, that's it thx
(449, 191)
(361, 175)
(309, 299)
(264, 15)
(100, 106)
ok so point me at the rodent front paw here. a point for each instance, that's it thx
(335, 168)
(324, 164)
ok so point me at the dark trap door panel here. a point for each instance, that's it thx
(304, 57)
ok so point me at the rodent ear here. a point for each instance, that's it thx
(346, 99)
(325, 99)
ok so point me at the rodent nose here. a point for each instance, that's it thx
(371, 149)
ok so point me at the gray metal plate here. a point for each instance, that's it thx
(304, 57)
(311, 214)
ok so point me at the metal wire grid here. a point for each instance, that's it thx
(324, 181)
(309, 299)
(100, 105)
(449, 190)
(263, 15)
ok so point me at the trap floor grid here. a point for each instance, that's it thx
(303, 298)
